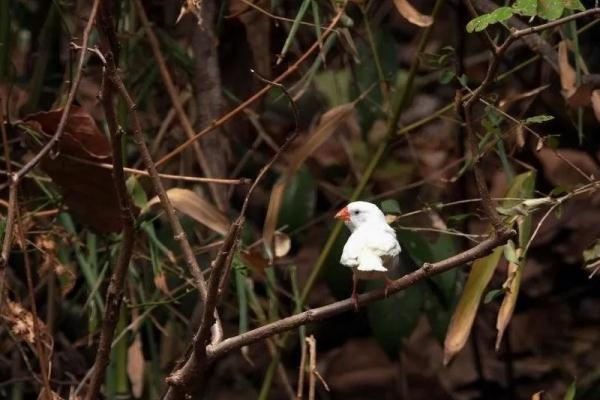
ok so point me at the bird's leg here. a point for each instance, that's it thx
(354, 294)
(388, 283)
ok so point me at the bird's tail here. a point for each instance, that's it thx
(368, 261)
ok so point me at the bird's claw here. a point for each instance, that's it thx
(388, 283)
(355, 301)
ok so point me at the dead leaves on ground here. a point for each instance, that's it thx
(584, 94)
(88, 190)
(21, 324)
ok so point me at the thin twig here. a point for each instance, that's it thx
(114, 294)
(220, 181)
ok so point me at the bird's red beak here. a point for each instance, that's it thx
(343, 214)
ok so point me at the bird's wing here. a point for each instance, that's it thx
(352, 250)
(382, 242)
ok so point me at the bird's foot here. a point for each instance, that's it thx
(355, 300)
(388, 283)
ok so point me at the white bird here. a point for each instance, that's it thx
(372, 247)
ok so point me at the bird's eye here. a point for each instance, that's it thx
(355, 212)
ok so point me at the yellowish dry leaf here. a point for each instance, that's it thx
(135, 367)
(466, 309)
(511, 286)
(196, 207)
(411, 14)
(568, 76)
(596, 103)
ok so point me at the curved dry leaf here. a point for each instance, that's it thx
(411, 14)
(328, 124)
(135, 367)
(466, 309)
(596, 103)
(87, 189)
(195, 207)
(568, 76)
(512, 286)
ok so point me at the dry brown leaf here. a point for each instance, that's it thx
(411, 14)
(329, 123)
(596, 103)
(160, 281)
(135, 367)
(88, 190)
(191, 7)
(20, 323)
(50, 263)
(254, 259)
(567, 167)
(195, 207)
(568, 76)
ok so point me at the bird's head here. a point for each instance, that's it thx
(358, 213)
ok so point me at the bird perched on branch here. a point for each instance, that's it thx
(372, 247)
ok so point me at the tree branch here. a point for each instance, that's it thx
(188, 377)
(330, 310)
(114, 294)
(138, 137)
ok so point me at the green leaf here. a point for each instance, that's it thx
(592, 253)
(510, 252)
(574, 5)
(395, 318)
(492, 295)
(570, 394)
(446, 75)
(390, 206)
(550, 9)
(299, 200)
(137, 192)
(483, 21)
(502, 14)
(538, 119)
(527, 8)
(478, 24)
